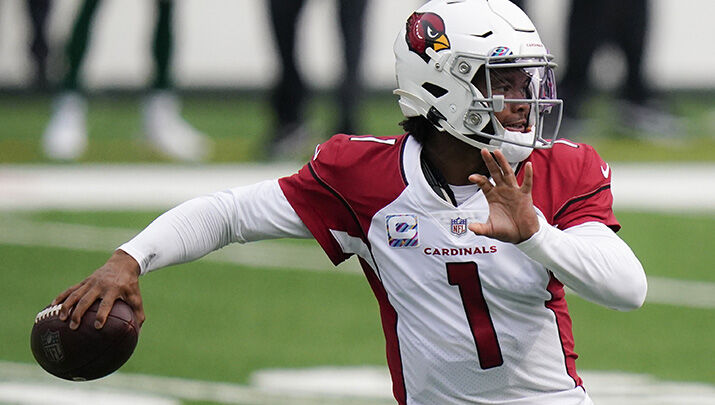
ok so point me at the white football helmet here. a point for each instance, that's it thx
(438, 54)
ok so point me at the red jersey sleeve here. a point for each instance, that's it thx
(340, 189)
(572, 185)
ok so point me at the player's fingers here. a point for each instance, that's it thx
(69, 302)
(528, 178)
(481, 181)
(141, 317)
(66, 293)
(493, 167)
(105, 306)
(84, 302)
(505, 167)
(135, 301)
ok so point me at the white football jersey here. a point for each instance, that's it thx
(467, 319)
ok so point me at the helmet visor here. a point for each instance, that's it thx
(524, 83)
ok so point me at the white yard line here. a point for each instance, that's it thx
(661, 290)
(654, 187)
(26, 383)
(35, 382)
(102, 186)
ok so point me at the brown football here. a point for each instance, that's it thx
(85, 353)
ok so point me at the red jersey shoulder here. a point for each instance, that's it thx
(576, 164)
(571, 158)
(348, 179)
(567, 173)
(351, 160)
(349, 150)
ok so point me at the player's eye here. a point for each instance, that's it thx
(526, 91)
(500, 89)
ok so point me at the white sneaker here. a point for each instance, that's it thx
(169, 133)
(291, 143)
(651, 122)
(65, 137)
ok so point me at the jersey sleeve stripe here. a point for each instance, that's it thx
(388, 314)
(340, 198)
(557, 304)
(389, 319)
(579, 198)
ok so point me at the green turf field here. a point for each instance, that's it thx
(212, 321)
(218, 321)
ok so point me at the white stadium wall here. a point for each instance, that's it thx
(227, 43)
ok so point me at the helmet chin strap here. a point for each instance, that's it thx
(514, 153)
(513, 143)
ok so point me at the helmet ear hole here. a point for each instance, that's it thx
(434, 89)
(479, 80)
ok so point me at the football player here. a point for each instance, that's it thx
(467, 227)
(66, 135)
(288, 98)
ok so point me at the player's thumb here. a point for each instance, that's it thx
(478, 228)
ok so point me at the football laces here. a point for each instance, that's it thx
(48, 312)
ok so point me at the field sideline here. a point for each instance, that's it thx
(664, 187)
(28, 192)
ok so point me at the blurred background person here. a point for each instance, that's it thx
(65, 137)
(623, 24)
(288, 97)
(38, 11)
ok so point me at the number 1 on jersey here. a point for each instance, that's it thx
(466, 277)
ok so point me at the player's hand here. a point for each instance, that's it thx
(117, 278)
(512, 217)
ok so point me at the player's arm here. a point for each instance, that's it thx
(589, 258)
(184, 233)
(204, 224)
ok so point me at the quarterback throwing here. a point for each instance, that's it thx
(467, 226)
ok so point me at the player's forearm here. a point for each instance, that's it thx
(184, 233)
(202, 225)
(591, 260)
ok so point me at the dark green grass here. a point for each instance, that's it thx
(221, 322)
(670, 245)
(240, 126)
(113, 219)
(665, 341)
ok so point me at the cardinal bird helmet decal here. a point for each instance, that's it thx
(426, 30)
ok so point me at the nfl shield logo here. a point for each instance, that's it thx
(52, 347)
(458, 226)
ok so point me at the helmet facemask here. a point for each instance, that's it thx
(498, 84)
